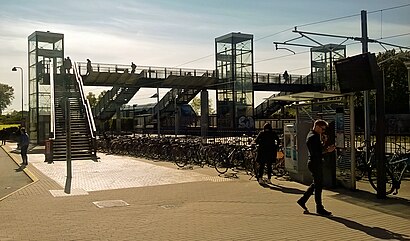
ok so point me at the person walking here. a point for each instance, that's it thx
(89, 67)
(267, 141)
(133, 67)
(316, 151)
(24, 142)
(286, 76)
(67, 65)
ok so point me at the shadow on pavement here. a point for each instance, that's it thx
(20, 169)
(376, 232)
(283, 189)
(391, 205)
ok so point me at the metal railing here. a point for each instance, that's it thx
(52, 109)
(146, 71)
(85, 103)
(269, 78)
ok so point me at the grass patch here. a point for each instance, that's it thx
(4, 126)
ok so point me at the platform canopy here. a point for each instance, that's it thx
(308, 96)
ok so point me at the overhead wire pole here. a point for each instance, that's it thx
(365, 49)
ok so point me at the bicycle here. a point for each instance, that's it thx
(278, 168)
(396, 166)
(363, 165)
(238, 157)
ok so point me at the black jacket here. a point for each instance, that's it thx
(268, 145)
(315, 148)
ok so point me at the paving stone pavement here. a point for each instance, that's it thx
(195, 207)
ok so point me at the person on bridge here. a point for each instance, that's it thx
(24, 142)
(133, 67)
(286, 76)
(89, 67)
(316, 151)
(268, 142)
(67, 65)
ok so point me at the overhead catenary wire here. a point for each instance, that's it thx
(308, 24)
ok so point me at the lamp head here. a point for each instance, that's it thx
(14, 69)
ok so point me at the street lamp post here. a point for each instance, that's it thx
(22, 92)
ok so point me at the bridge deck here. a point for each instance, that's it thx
(162, 77)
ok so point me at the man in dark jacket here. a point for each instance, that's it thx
(268, 142)
(316, 151)
(24, 142)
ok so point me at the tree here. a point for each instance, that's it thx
(92, 99)
(196, 105)
(396, 83)
(6, 96)
(396, 86)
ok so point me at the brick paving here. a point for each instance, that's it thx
(200, 206)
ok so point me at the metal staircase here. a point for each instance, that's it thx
(166, 106)
(81, 127)
(112, 100)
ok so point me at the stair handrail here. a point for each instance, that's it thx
(86, 103)
(52, 109)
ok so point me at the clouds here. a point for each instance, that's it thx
(169, 33)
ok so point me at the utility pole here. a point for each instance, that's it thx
(380, 123)
(365, 49)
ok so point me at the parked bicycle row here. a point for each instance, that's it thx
(189, 151)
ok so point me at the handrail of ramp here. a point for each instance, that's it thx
(86, 103)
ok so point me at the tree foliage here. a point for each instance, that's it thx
(91, 99)
(196, 105)
(11, 118)
(6, 96)
(396, 83)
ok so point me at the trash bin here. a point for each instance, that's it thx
(49, 151)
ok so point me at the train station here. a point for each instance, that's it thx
(60, 116)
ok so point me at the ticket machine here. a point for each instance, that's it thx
(290, 148)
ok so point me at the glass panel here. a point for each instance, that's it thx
(33, 103)
(45, 45)
(59, 45)
(32, 58)
(32, 44)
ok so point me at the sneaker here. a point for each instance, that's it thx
(268, 181)
(260, 180)
(323, 212)
(302, 204)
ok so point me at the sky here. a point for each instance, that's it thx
(181, 33)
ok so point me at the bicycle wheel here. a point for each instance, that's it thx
(179, 158)
(222, 164)
(361, 166)
(389, 180)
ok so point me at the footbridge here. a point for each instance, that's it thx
(184, 83)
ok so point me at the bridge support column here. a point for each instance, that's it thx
(118, 120)
(204, 114)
